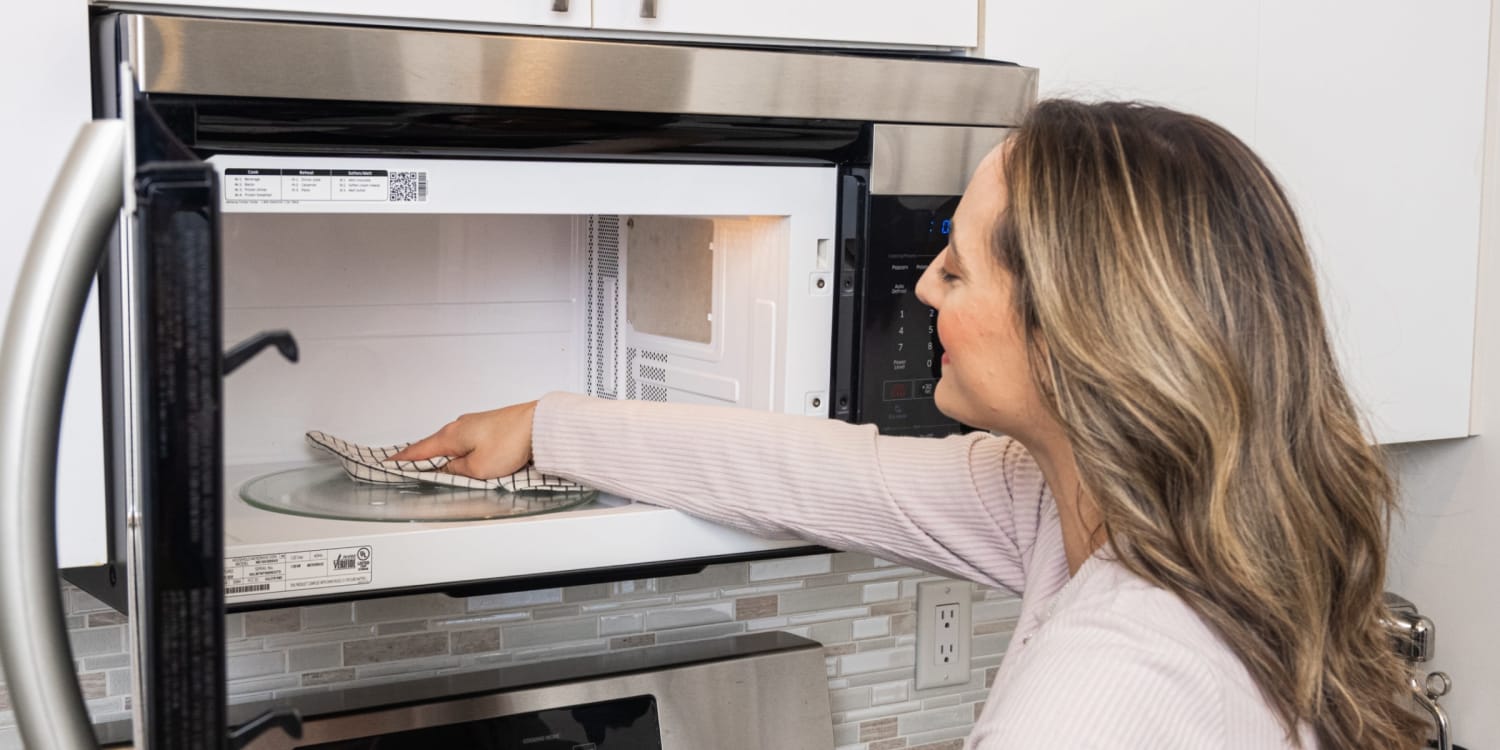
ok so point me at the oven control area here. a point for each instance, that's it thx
(900, 355)
(619, 724)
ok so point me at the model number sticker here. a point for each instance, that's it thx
(255, 185)
(297, 571)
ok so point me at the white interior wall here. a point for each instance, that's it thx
(1445, 552)
(402, 322)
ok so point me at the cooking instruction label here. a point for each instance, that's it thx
(297, 571)
(253, 185)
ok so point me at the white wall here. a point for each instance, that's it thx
(1446, 550)
(45, 87)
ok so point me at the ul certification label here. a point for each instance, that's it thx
(297, 571)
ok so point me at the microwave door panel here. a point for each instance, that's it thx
(466, 285)
(175, 350)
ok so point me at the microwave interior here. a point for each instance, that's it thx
(417, 291)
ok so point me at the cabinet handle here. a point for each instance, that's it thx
(648, 8)
(559, 6)
(38, 344)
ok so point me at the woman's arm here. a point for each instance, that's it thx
(967, 505)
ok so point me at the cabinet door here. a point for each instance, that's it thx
(574, 13)
(930, 23)
(1330, 95)
(1372, 115)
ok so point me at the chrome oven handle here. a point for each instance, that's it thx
(40, 333)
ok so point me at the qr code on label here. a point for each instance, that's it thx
(408, 186)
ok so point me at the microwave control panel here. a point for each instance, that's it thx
(900, 355)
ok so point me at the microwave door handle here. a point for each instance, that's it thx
(40, 333)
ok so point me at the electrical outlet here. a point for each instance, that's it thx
(944, 626)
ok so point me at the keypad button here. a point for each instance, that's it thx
(898, 390)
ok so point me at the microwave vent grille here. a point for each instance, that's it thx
(631, 389)
(653, 391)
(602, 305)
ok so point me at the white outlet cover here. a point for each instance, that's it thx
(932, 671)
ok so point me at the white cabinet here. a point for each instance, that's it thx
(942, 24)
(935, 23)
(561, 13)
(1371, 114)
(1374, 120)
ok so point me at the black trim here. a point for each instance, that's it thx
(854, 196)
(211, 125)
(103, 582)
(181, 562)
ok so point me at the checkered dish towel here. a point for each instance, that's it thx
(373, 465)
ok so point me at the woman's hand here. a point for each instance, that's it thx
(484, 445)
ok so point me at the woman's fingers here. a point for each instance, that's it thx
(484, 445)
(439, 444)
(460, 466)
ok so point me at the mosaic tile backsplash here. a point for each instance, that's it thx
(862, 609)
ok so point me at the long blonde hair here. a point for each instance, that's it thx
(1174, 327)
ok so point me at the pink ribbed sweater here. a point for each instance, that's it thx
(1099, 660)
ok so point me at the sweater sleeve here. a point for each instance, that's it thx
(968, 505)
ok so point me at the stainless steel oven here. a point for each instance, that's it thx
(492, 216)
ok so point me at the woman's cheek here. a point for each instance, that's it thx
(950, 329)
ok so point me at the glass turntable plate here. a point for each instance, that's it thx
(325, 491)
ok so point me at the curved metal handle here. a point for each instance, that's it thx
(40, 332)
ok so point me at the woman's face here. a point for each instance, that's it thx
(986, 381)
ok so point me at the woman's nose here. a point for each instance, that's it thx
(927, 286)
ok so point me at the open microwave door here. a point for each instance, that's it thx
(168, 431)
(159, 291)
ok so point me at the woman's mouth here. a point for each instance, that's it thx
(945, 358)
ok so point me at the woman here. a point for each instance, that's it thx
(1183, 494)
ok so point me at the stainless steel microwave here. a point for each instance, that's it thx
(435, 222)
